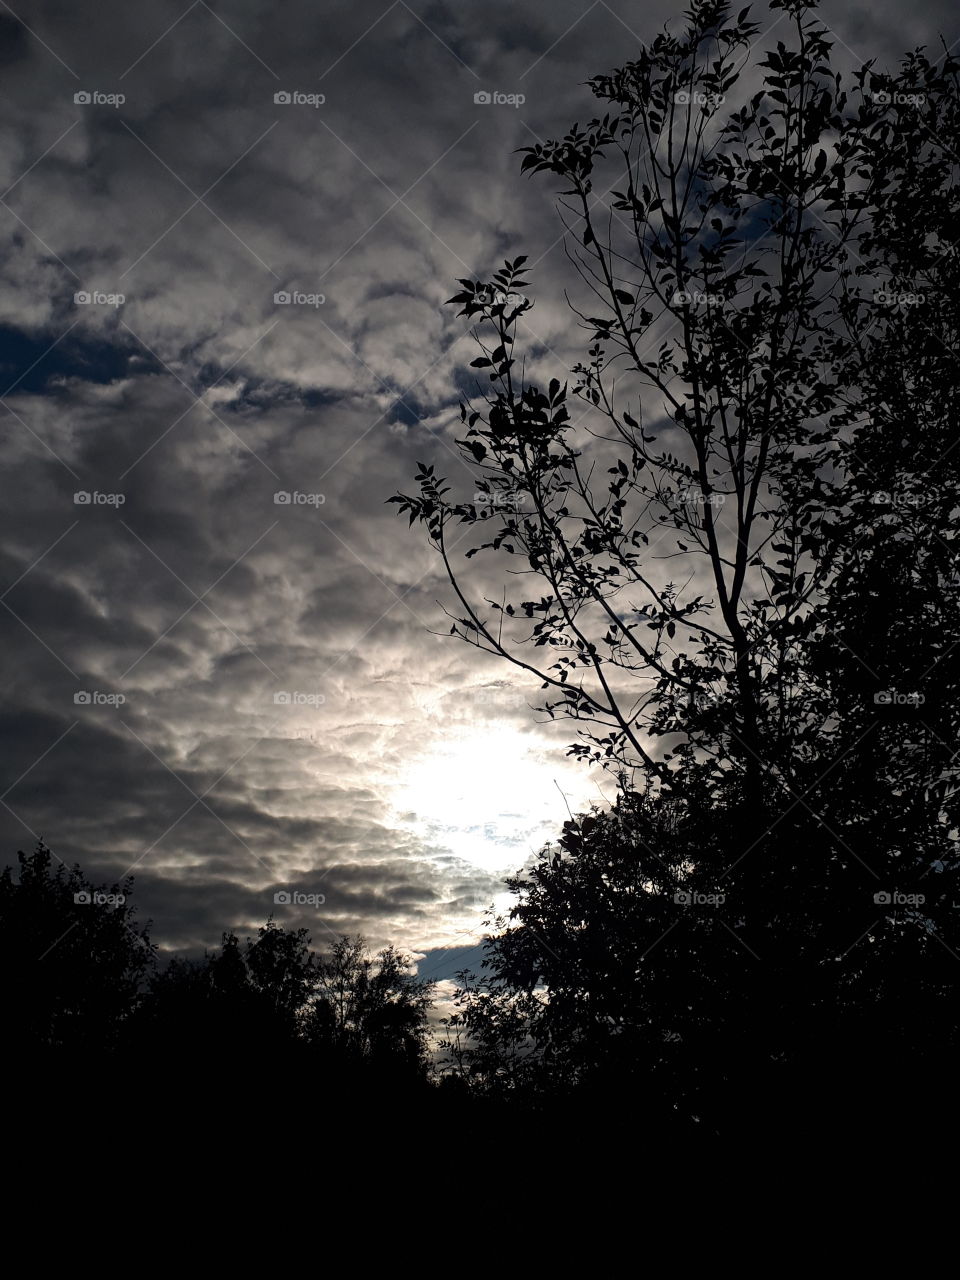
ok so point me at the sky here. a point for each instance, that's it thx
(228, 694)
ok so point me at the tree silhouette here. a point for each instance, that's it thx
(755, 624)
(370, 1012)
(738, 272)
(642, 959)
(72, 958)
(86, 997)
(248, 999)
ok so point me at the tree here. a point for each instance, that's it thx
(736, 271)
(371, 1012)
(73, 959)
(778, 290)
(283, 971)
(249, 998)
(642, 961)
(275, 997)
(85, 1000)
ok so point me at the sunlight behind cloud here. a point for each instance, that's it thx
(490, 795)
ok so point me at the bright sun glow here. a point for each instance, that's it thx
(489, 796)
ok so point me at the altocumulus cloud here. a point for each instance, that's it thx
(288, 720)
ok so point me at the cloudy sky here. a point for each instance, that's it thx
(148, 165)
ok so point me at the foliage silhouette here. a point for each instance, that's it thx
(366, 1013)
(87, 997)
(71, 955)
(754, 624)
(739, 273)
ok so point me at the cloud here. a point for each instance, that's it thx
(198, 398)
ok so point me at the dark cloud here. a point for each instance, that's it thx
(403, 775)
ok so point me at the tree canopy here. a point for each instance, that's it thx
(733, 568)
